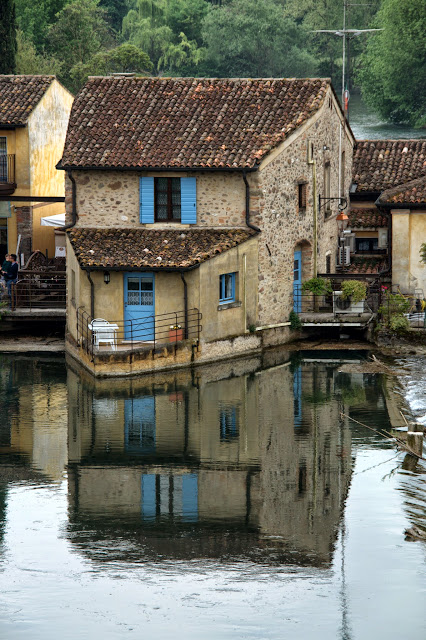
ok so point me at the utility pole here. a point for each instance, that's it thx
(346, 35)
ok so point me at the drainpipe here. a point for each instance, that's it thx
(185, 304)
(74, 204)
(248, 223)
(92, 294)
(315, 213)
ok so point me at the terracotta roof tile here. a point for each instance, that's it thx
(143, 248)
(366, 265)
(19, 95)
(382, 164)
(186, 122)
(366, 218)
(413, 192)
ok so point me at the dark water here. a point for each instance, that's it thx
(367, 125)
(231, 502)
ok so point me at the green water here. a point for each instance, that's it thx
(233, 501)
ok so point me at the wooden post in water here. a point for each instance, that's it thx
(415, 442)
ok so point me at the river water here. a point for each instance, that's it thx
(234, 501)
(367, 125)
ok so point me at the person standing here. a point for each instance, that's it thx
(11, 276)
(7, 262)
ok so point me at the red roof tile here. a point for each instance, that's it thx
(19, 95)
(413, 192)
(366, 218)
(186, 122)
(382, 164)
(366, 265)
(159, 249)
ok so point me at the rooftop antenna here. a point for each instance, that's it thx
(346, 35)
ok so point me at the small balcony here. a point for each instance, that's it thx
(7, 174)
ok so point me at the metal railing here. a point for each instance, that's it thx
(7, 168)
(39, 290)
(98, 335)
(306, 302)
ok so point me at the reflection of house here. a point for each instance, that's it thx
(200, 194)
(34, 112)
(213, 453)
(385, 213)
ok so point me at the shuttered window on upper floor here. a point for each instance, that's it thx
(168, 200)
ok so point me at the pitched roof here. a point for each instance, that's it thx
(19, 95)
(185, 122)
(366, 218)
(159, 249)
(366, 265)
(413, 192)
(382, 164)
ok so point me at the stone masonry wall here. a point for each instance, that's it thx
(111, 199)
(274, 208)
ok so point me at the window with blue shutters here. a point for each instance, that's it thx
(227, 288)
(168, 200)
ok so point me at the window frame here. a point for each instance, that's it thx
(222, 288)
(302, 196)
(170, 217)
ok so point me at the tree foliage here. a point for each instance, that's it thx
(34, 19)
(7, 36)
(123, 59)
(28, 61)
(255, 38)
(393, 71)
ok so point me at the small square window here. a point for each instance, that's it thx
(227, 287)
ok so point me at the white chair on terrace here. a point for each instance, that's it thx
(104, 331)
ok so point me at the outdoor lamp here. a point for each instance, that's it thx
(107, 277)
(342, 221)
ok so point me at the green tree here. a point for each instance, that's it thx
(7, 36)
(34, 18)
(186, 16)
(28, 61)
(145, 27)
(116, 10)
(254, 38)
(393, 71)
(123, 59)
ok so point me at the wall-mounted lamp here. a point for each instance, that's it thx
(107, 277)
(342, 221)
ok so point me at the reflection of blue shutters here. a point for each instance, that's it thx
(149, 505)
(189, 497)
(188, 199)
(146, 200)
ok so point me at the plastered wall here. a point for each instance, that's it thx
(408, 233)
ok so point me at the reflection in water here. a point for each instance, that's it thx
(254, 462)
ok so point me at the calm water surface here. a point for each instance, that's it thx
(231, 502)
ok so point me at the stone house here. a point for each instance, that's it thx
(387, 203)
(34, 112)
(210, 194)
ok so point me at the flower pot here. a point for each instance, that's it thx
(175, 335)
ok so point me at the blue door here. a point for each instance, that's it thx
(139, 306)
(297, 282)
(139, 421)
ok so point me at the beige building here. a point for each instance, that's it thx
(34, 112)
(387, 218)
(208, 199)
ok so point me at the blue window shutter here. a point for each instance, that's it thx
(146, 200)
(188, 200)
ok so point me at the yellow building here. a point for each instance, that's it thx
(34, 113)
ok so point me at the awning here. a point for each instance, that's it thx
(53, 221)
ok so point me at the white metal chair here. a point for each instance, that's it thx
(103, 331)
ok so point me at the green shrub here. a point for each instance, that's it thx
(295, 321)
(354, 289)
(317, 286)
(399, 324)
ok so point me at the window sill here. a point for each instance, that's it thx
(228, 305)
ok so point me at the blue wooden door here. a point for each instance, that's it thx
(139, 306)
(297, 282)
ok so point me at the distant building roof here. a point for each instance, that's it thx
(366, 266)
(159, 249)
(411, 193)
(19, 95)
(366, 218)
(186, 122)
(383, 164)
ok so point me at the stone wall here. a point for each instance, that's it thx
(274, 208)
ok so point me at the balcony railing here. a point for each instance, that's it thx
(7, 170)
(98, 335)
(39, 290)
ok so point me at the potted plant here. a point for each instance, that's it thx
(175, 333)
(317, 286)
(354, 289)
